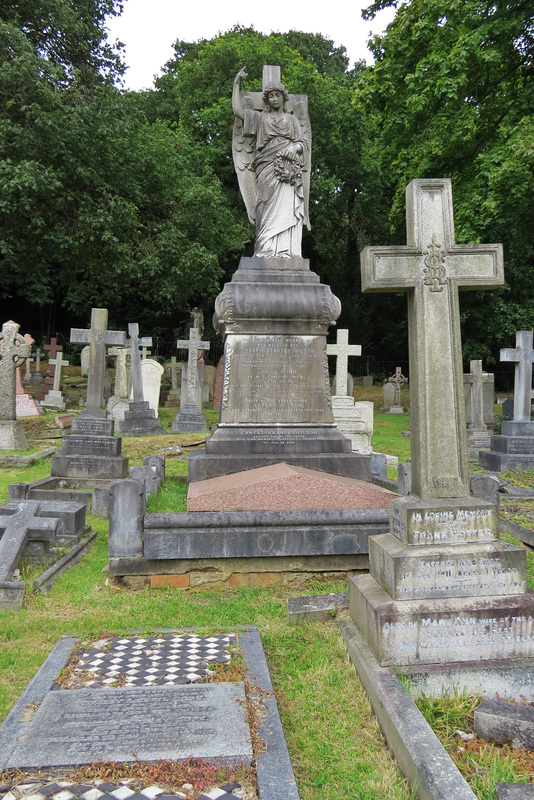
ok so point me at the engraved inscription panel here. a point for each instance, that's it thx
(276, 379)
(130, 723)
(447, 525)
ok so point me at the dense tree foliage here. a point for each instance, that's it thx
(452, 94)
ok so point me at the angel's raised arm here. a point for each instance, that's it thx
(237, 105)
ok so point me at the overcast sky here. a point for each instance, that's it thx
(149, 28)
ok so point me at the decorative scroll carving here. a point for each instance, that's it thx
(435, 272)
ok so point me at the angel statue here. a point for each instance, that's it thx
(271, 149)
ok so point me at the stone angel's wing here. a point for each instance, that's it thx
(301, 113)
(243, 153)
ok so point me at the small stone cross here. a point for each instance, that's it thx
(431, 268)
(144, 350)
(193, 346)
(53, 348)
(13, 349)
(342, 350)
(28, 375)
(134, 343)
(398, 380)
(38, 355)
(523, 355)
(476, 378)
(16, 529)
(58, 363)
(97, 337)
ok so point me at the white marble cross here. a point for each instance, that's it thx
(97, 337)
(523, 355)
(342, 349)
(431, 268)
(193, 346)
(58, 363)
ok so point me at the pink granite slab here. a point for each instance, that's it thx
(282, 487)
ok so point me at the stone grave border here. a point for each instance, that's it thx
(419, 753)
(10, 460)
(273, 766)
(46, 580)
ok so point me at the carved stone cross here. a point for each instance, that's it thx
(58, 363)
(15, 530)
(398, 380)
(53, 349)
(193, 346)
(27, 374)
(523, 355)
(97, 337)
(476, 378)
(431, 268)
(134, 343)
(342, 350)
(13, 350)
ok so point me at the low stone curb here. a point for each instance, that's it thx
(525, 535)
(26, 461)
(44, 582)
(420, 755)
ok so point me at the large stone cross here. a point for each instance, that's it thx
(58, 363)
(431, 268)
(523, 355)
(193, 346)
(134, 343)
(97, 337)
(342, 350)
(13, 349)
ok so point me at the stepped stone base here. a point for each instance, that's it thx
(189, 420)
(512, 450)
(445, 630)
(90, 452)
(139, 420)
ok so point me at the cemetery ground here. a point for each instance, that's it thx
(335, 743)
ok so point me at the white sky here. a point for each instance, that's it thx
(149, 28)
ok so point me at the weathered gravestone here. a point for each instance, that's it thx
(478, 387)
(13, 350)
(354, 420)
(37, 377)
(389, 395)
(118, 403)
(54, 397)
(397, 381)
(85, 360)
(442, 587)
(513, 449)
(151, 374)
(274, 315)
(190, 417)
(173, 398)
(140, 418)
(91, 454)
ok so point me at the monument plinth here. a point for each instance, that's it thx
(274, 316)
(442, 587)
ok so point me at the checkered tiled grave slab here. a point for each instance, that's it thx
(100, 790)
(153, 660)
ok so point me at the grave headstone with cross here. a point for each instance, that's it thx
(190, 417)
(118, 403)
(139, 418)
(513, 449)
(274, 316)
(48, 383)
(16, 528)
(442, 586)
(54, 397)
(14, 348)
(476, 386)
(91, 454)
(398, 380)
(173, 398)
(342, 350)
(37, 377)
(28, 375)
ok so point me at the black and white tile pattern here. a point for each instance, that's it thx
(102, 790)
(153, 660)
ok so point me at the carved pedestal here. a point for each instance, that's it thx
(274, 316)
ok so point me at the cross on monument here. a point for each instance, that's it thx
(13, 349)
(97, 337)
(523, 355)
(476, 379)
(135, 342)
(431, 268)
(398, 380)
(58, 363)
(342, 350)
(53, 348)
(193, 346)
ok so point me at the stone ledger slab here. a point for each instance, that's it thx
(499, 721)
(87, 725)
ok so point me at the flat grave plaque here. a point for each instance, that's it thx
(82, 726)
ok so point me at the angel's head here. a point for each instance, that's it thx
(275, 95)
